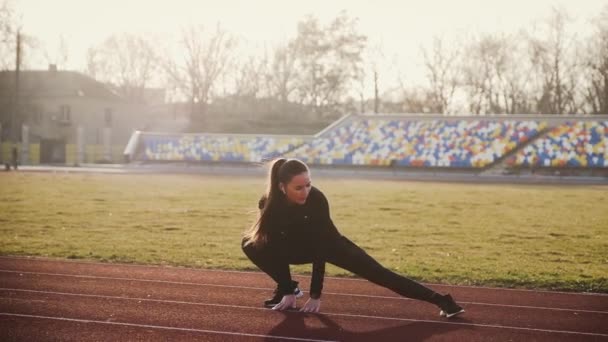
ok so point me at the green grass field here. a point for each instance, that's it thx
(549, 237)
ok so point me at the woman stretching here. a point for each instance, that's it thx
(294, 227)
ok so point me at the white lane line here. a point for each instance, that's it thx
(476, 325)
(12, 299)
(268, 289)
(147, 326)
(135, 279)
(537, 308)
(178, 268)
(328, 313)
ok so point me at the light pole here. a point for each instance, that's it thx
(15, 112)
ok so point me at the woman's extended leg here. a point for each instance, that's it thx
(347, 255)
(352, 258)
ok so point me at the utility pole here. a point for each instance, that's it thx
(17, 70)
(376, 97)
(15, 113)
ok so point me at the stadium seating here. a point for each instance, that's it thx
(418, 143)
(227, 148)
(572, 144)
(403, 141)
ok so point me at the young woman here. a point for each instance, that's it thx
(294, 227)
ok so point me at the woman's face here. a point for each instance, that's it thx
(298, 188)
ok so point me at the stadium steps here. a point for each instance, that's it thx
(500, 166)
(343, 121)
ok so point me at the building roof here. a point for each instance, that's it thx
(53, 84)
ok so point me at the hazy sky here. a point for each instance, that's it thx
(400, 26)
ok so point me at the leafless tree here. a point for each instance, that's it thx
(60, 57)
(596, 66)
(443, 74)
(555, 72)
(416, 99)
(282, 78)
(329, 61)
(126, 62)
(8, 35)
(205, 57)
(249, 76)
(485, 57)
(495, 75)
(369, 76)
(515, 78)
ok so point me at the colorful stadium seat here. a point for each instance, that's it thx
(572, 144)
(402, 141)
(201, 147)
(418, 143)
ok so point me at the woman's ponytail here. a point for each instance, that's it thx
(281, 171)
(273, 178)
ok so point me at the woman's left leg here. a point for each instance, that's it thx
(347, 255)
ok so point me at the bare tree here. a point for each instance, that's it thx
(416, 99)
(443, 74)
(205, 57)
(126, 62)
(369, 76)
(484, 61)
(95, 64)
(249, 76)
(555, 72)
(60, 57)
(8, 35)
(495, 75)
(596, 67)
(282, 78)
(329, 61)
(406, 96)
(515, 78)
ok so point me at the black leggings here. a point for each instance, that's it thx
(344, 254)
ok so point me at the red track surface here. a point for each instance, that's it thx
(51, 300)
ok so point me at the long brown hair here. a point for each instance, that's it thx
(281, 170)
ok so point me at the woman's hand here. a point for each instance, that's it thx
(312, 305)
(288, 302)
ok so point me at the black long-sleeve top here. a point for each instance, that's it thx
(300, 234)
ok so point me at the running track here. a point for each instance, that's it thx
(56, 300)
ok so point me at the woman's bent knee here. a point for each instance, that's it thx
(254, 252)
(248, 249)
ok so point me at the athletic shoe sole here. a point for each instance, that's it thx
(444, 314)
(297, 292)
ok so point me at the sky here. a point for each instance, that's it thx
(398, 27)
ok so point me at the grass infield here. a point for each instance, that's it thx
(546, 237)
